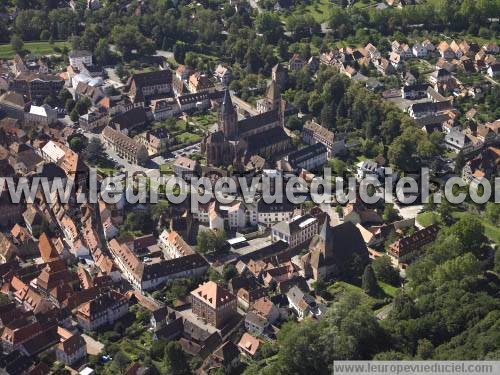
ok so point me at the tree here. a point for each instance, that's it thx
(492, 212)
(390, 213)
(425, 349)
(269, 24)
(175, 359)
(382, 266)
(369, 281)
(209, 241)
(157, 350)
(77, 144)
(94, 153)
(74, 115)
(102, 52)
(228, 272)
(16, 43)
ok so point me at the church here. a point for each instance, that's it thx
(236, 141)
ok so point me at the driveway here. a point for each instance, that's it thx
(94, 347)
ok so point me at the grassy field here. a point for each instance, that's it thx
(36, 48)
(388, 289)
(427, 218)
(340, 288)
(319, 9)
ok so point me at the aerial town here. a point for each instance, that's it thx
(236, 89)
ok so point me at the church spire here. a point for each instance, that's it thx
(228, 118)
(227, 103)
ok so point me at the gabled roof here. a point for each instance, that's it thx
(47, 248)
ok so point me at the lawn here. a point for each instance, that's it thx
(36, 48)
(318, 9)
(187, 137)
(427, 218)
(388, 289)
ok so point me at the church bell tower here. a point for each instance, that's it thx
(228, 119)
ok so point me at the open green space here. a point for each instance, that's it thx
(318, 9)
(35, 48)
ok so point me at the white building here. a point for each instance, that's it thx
(43, 115)
(296, 231)
(80, 58)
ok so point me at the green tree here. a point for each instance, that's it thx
(175, 360)
(369, 281)
(102, 52)
(94, 152)
(209, 241)
(382, 266)
(16, 43)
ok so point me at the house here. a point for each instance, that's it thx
(419, 110)
(213, 304)
(313, 133)
(296, 231)
(491, 48)
(249, 345)
(199, 83)
(13, 105)
(384, 66)
(80, 58)
(296, 62)
(142, 86)
(439, 76)
(429, 46)
(225, 357)
(368, 168)
(186, 168)
(373, 52)
(459, 141)
(37, 86)
(174, 245)
(401, 250)
(269, 214)
(357, 213)
(71, 347)
(7, 249)
(155, 140)
(494, 70)
(148, 274)
(106, 308)
(26, 162)
(222, 74)
(43, 115)
(126, 121)
(413, 92)
(95, 118)
(125, 146)
(446, 51)
(395, 59)
(456, 49)
(302, 303)
(265, 308)
(484, 165)
(309, 158)
(164, 108)
(419, 50)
